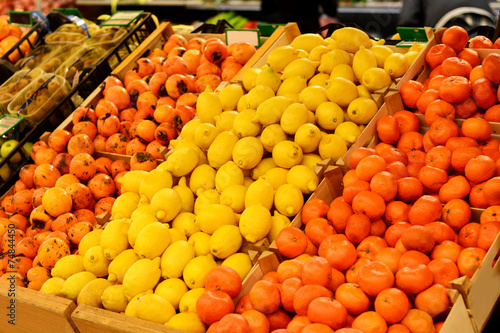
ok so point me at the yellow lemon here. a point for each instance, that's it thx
(120, 265)
(185, 222)
(91, 239)
(255, 223)
(204, 134)
(329, 115)
(175, 258)
(202, 178)
(313, 96)
(249, 78)
(363, 91)
(361, 110)
(396, 65)
(172, 290)
(220, 151)
(333, 58)
(228, 174)
(288, 199)
(125, 204)
(260, 192)
(114, 299)
(279, 221)
(381, 53)
(307, 41)
(303, 177)
(244, 125)
(176, 235)
(166, 204)
(234, 197)
(94, 261)
(310, 160)
(276, 176)
(136, 226)
(376, 78)
(214, 216)
(225, 241)
(74, 284)
(200, 241)
(153, 239)
(186, 195)
(300, 67)
(188, 129)
(269, 78)
(92, 292)
(362, 60)
(182, 161)
(293, 117)
(291, 86)
(206, 198)
(341, 91)
(349, 132)
(114, 238)
(240, 262)
(224, 121)
(196, 271)
(411, 57)
(332, 146)
(229, 96)
(248, 152)
(132, 180)
(281, 56)
(189, 299)
(257, 95)
(261, 168)
(154, 181)
(208, 105)
(270, 111)
(154, 308)
(67, 266)
(271, 135)
(318, 51)
(143, 275)
(318, 80)
(342, 70)
(52, 286)
(286, 154)
(351, 39)
(187, 321)
(131, 309)
(308, 137)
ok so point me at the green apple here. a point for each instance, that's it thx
(7, 147)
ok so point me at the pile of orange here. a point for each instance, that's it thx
(9, 36)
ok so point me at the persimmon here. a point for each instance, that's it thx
(146, 130)
(85, 127)
(105, 107)
(46, 175)
(36, 277)
(108, 125)
(143, 161)
(100, 142)
(82, 114)
(83, 166)
(36, 147)
(176, 85)
(119, 166)
(155, 149)
(58, 139)
(51, 250)
(118, 96)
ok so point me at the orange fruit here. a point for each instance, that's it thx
(476, 128)
(306, 294)
(412, 258)
(369, 203)
(213, 305)
(456, 37)
(387, 129)
(410, 92)
(369, 166)
(339, 213)
(265, 297)
(446, 250)
(456, 213)
(317, 271)
(418, 321)
(425, 210)
(392, 304)
(257, 321)
(291, 242)
(327, 311)
(444, 270)
(414, 279)
(419, 238)
(370, 322)
(375, 277)
(339, 251)
(357, 228)
(353, 298)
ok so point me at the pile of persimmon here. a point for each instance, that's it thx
(460, 84)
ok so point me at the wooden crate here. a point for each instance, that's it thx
(35, 312)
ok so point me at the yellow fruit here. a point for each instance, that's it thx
(342, 70)
(286, 154)
(175, 258)
(269, 78)
(119, 266)
(114, 238)
(114, 299)
(125, 204)
(341, 91)
(172, 290)
(74, 284)
(244, 125)
(261, 168)
(279, 222)
(224, 121)
(363, 91)
(317, 52)
(95, 261)
(92, 292)
(187, 196)
(182, 161)
(300, 67)
(187, 321)
(180, 144)
(247, 152)
(308, 137)
(227, 175)
(307, 41)
(288, 200)
(349, 132)
(200, 241)
(91, 239)
(271, 135)
(313, 96)
(206, 198)
(176, 235)
(166, 204)
(225, 241)
(205, 134)
(255, 223)
(202, 178)
(136, 226)
(411, 57)
(131, 181)
(295, 115)
(196, 271)
(52, 286)
(270, 111)
(381, 52)
(351, 39)
(154, 308)
(131, 309)
(188, 129)
(185, 222)
(276, 176)
(189, 299)
(332, 146)
(143, 275)
(318, 80)
(249, 78)
(280, 57)
(396, 65)
(292, 86)
(153, 239)
(234, 197)
(240, 262)
(303, 177)
(229, 96)
(260, 192)
(213, 216)
(208, 105)
(67, 266)
(154, 181)
(310, 160)
(332, 59)
(362, 60)
(375, 78)
(329, 115)
(361, 110)
(257, 95)
(220, 151)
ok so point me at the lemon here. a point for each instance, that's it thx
(92, 292)
(136, 226)
(221, 149)
(361, 110)
(176, 235)
(288, 200)
(224, 121)
(189, 299)
(131, 309)
(196, 271)
(332, 146)
(304, 178)
(205, 134)
(268, 77)
(229, 96)
(240, 262)
(255, 223)
(329, 115)
(74, 284)
(94, 261)
(187, 196)
(247, 152)
(381, 52)
(166, 204)
(172, 290)
(91, 239)
(131, 181)
(261, 168)
(202, 178)
(318, 80)
(293, 117)
(260, 192)
(292, 86)
(152, 240)
(206, 198)
(52, 286)
(307, 41)
(317, 52)
(396, 65)
(280, 57)
(244, 125)
(300, 67)
(308, 137)
(363, 91)
(225, 241)
(362, 60)
(249, 78)
(276, 176)
(187, 321)
(180, 144)
(375, 78)
(182, 161)
(234, 197)
(343, 70)
(227, 175)
(349, 132)
(143, 275)
(208, 105)
(271, 135)
(286, 154)
(185, 222)
(341, 91)
(310, 160)
(154, 308)
(120, 265)
(214, 216)
(333, 58)
(154, 181)
(411, 57)
(125, 204)
(188, 129)
(67, 266)
(313, 96)
(270, 111)
(257, 95)
(279, 221)
(351, 39)
(200, 241)
(114, 299)
(114, 238)
(175, 258)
